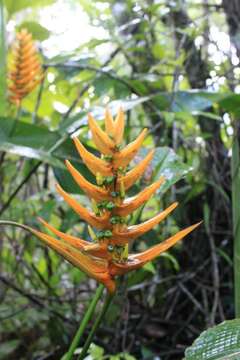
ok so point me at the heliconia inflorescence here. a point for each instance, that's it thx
(25, 71)
(107, 255)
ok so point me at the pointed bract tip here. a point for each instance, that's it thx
(194, 226)
(42, 221)
(173, 206)
(90, 116)
(161, 180)
(67, 163)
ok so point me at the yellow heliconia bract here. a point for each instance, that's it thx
(106, 256)
(25, 71)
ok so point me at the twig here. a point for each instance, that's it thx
(39, 98)
(95, 326)
(32, 298)
(192, 298)
(14, 193)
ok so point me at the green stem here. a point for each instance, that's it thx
(13, 223)
(84, 322)
(3, 71)
(235, 170)
(95, 326)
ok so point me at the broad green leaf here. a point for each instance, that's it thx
(27, 140)
(172, 259)
(80, 119)
(38, 31)
(190, 101)
(103, 84)
(158, 50)
(8, 347)
(150, 267)
(168, 164)
(96, 351)
(231, 103)
(183, 101)
(14, 6)
(65, 179)
(221, 342)
(35, 142)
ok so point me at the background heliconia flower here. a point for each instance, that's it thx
(25, 71)
(108, 254)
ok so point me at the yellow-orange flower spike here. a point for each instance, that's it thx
(25, 72)
(106, 256)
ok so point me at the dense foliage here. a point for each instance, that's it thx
(174, 68)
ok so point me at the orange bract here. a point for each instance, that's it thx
(107, 255)
(26, 72)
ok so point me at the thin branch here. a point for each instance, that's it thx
(15, 192)
(32, 298)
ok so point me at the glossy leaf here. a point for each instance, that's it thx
(168, 164)
(189, 101)
(73, 123)
(27, 140)
(222, 342)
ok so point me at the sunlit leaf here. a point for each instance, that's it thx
(73, 123)
(38, 31)
(14, 6)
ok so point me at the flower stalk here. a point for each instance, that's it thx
(84, 322)
(95, 326)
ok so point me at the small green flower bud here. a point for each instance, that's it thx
(114, 220)
(110, 206)
(118, 147)
(122, 220)
(117, 220)
(102, 204)
(107, 234)
(100, 235)
(109, 180)
(114, 194)
(99, 179)
(108, 158)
